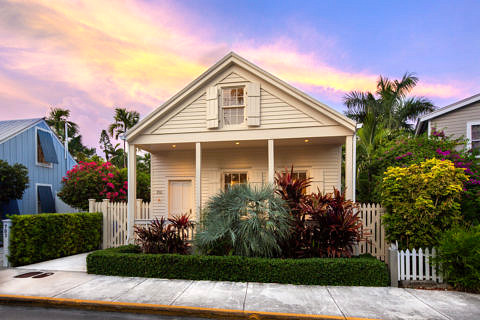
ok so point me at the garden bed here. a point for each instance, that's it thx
(128, 261)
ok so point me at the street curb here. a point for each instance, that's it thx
(169, 310)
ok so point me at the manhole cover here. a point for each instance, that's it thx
(43, 275)
(28, 274)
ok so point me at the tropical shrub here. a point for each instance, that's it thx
(46, 236)
(293, 192)
(127, 261)
(143, 183)
(333, 226)
(13, 181)
(91, 180)
(422, 201)
(165, 235)
(398, 150)
(244, 221)
(458, 257)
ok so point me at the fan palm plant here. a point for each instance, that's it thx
(244, 221)
(124, 120)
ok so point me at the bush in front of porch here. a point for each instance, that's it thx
(129, 261)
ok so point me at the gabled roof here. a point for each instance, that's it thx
(10, 128)
(444, 110)
(225, 62)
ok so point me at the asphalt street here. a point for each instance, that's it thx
(8, 312)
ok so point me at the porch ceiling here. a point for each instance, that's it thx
(242, 144)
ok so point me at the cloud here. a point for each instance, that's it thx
(92, 56)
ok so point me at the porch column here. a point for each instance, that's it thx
(132, 191)
(349, 167)
(198, 180)
(271, 162)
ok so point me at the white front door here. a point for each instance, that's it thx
(180, 198)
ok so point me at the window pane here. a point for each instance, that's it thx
(476, 145)
(243, 178)
(232, 97)
(232, 116)
(476, 132)
(227, 178)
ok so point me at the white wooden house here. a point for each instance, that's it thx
(237, 123)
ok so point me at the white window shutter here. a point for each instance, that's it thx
(253, 104)
(212, 107)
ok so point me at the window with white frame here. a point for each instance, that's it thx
(232, 178)
(233, 106)
(297, 175)
(473, 135)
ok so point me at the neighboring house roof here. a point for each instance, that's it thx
(452, 107)
(225, 62)
(10, 128)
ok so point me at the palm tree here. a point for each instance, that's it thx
(57, 118)
(124, 120)
(390, 105)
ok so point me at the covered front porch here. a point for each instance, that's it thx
(185, 175)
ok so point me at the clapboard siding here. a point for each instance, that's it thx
(320, 161)
(274, 113)
(21, 149)
(455, 122)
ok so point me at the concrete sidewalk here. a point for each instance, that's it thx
(337, 302)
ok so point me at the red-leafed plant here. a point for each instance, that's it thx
(333, 224)
(165, 235)
(293, 191)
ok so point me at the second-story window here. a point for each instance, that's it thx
(233, 106)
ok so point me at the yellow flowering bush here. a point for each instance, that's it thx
(422, 201)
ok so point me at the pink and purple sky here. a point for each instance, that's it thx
(93, 56)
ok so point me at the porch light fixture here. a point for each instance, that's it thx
(237, 142)
(174, 145)
(306, 140)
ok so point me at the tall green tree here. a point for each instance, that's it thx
(391, 106)
(123, 120)
(56, 119)
(383, 114)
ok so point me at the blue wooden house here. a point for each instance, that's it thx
(32, 143)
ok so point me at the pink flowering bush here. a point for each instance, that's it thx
(92, 180)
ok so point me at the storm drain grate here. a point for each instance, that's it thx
(43, 275)
(28, 274)
(36, 275)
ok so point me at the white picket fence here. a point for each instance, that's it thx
(416, 265)
(375, 244)
(114, 221)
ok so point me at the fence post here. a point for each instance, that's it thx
(105, 223)
(393, 265)
(91, 205)
(7, 224)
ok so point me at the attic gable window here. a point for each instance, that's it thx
(233, 105)
(46, 154)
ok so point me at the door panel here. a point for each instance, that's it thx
(180, 198)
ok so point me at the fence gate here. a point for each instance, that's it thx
(375, 244)
(114, 222)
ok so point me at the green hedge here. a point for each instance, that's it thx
(40, 237)
(127, 261)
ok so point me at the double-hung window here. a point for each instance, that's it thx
(233, 106)
(473, 135)
(232, 178)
